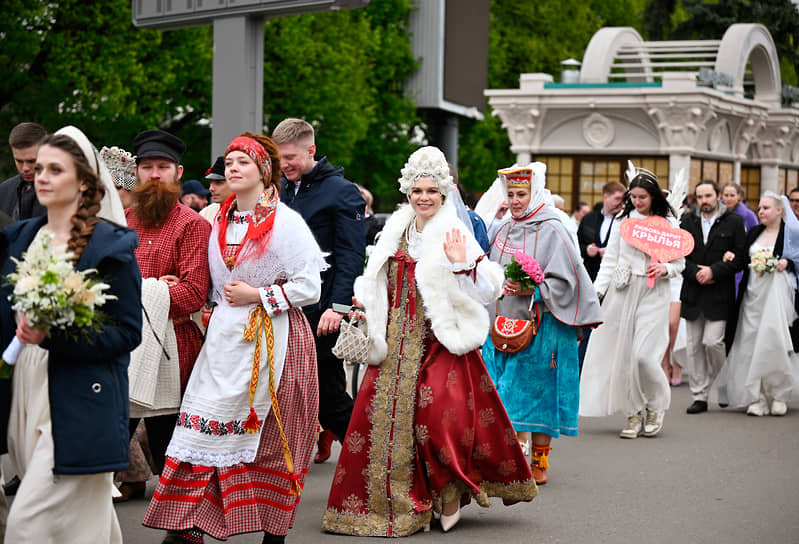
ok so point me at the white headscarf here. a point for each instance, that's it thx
(489, 203)
(538, 193)
(110, 206)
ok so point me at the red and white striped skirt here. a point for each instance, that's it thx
(250, 497)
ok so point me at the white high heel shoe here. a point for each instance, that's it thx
(448, 522)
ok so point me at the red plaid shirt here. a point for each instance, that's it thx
(179, 247)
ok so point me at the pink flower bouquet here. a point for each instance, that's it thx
(525, 270)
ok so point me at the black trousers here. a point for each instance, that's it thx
(335, 405)
(159, 433)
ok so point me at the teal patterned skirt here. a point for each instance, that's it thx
(540, 385)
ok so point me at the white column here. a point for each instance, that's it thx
(676, 162)
(523, 158)
(769, 176)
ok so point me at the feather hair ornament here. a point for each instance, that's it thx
(678, 192)
(631, 172)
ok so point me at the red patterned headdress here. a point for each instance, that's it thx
(259, 231)
(256, 152)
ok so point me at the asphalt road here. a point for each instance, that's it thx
(717, 477)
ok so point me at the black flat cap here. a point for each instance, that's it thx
(217, 171)
(157, 143)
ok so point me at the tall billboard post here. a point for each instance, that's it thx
(238, 78)
(450, 37)
(238, 89)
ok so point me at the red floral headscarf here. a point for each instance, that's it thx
(256, 152)
(259, 231)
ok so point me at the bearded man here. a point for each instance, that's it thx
(173, 247)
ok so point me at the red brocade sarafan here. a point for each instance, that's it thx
(428, 428)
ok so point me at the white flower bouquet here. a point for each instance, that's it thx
(763, 261)
(51, 294)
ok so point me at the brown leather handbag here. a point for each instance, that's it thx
(513, 335)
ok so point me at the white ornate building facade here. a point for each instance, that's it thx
(713, 107)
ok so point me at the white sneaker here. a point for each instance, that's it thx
(633, 427)
(758, 408)
(654, 422)
(778, 408)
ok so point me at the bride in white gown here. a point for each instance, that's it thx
(762, 369)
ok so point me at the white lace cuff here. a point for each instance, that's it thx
(274, 299)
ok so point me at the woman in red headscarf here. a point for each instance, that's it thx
(246, 428)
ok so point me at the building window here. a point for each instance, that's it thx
(719, 171)
(750, 181)
(582, 178)
(593, 175)
(559, 179)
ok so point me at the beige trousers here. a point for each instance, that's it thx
(706, 353)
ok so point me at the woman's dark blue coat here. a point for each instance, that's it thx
(88, 375)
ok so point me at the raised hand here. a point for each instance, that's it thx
(455, 247)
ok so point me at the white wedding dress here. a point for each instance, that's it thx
(762, 359)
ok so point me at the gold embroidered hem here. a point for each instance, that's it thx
(513, 491)
(372, 524)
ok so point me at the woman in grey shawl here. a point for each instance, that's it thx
(540, 384)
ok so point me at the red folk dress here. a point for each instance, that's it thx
(428, 428)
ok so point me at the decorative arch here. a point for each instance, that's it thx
(602, 49)
(751, 42)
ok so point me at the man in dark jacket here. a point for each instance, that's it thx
(17, 196)
(708, 291)
(333, 208)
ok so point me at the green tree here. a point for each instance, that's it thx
(698, 19)
(344, 73)
(84, 63)
(529, 37)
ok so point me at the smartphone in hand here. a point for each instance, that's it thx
(342, 308)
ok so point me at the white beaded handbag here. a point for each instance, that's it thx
(352, 344)
(622, 275)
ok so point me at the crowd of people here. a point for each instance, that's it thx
(490, 331)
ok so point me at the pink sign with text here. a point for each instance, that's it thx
(658, 239)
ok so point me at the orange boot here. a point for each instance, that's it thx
(540, 463)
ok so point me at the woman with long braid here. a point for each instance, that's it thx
(68, 426)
